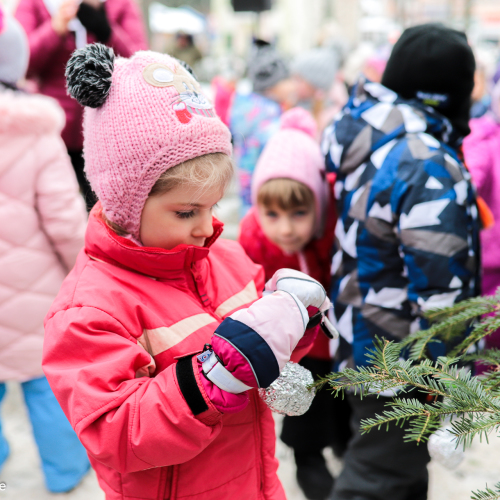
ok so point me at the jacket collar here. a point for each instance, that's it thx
(103, 244)
(414, 115)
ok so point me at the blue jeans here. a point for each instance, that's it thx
(64, 459)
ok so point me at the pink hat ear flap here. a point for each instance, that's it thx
(89, 74)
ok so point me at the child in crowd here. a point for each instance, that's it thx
(292, 225)
(42, 225)
(481, 150)
(159, 337)
(254, 114)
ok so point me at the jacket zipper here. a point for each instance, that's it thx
(167, 486)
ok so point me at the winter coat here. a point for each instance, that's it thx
(482, 157)
(50, 52)
(408, 219)
(313, 260)
(42, 226)
(114, 336)
(253, 119)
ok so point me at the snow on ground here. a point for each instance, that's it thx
(23, 477)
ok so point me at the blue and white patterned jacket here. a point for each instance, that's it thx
(407, 233)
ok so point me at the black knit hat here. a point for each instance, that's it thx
(434, 64)
(266, 67)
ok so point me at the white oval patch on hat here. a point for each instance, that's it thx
(163, 75)
(158, 75)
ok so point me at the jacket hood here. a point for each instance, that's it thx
(385, 116)
(293, 153)
(103, 244)
(22, 113)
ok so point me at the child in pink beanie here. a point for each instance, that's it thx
(292, 225)
(159, 337)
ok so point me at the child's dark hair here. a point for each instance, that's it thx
(287, 194)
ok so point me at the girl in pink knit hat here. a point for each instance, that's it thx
(160, 336)
(292, 225)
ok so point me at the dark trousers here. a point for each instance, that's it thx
(326, 423)
(380, 465)
(87, 193)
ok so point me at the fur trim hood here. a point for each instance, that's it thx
(22, 113)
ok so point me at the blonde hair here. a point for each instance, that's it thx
(204, 172)
(287, 194)
(207, 171)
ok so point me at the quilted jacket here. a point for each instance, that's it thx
(50, 52)
(118, 355)
(42, 226)
(408, 227)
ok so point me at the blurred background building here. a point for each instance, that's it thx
(223, 33)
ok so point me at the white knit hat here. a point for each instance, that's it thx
(14, 50)
(317, 66)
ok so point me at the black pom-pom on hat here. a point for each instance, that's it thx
(88, 74)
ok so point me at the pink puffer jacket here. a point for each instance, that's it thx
(50, 52)
(117, 340)
(42, 226)
(482, 157)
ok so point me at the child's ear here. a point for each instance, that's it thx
(88, 74)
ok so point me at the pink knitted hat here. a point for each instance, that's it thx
(292, 153)
(144, 115)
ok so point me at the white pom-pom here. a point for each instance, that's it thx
(442, 448)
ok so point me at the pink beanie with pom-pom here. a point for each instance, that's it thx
(143, 116)
(293, 153)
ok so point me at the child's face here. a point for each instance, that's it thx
(291, 230)
(180, 216)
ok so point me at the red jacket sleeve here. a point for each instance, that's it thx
(127, 423)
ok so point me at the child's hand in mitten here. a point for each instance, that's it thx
(309, 291)
(251, 347)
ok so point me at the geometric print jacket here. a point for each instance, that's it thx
(407, 231)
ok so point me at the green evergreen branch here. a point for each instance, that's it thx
(487, 494)
(473, 403)
(486, 357)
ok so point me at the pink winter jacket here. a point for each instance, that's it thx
(50, 52)
(125, 322)
(42, 226)
(482, 157)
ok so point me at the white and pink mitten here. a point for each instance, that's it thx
(250, 348)
(310, 292)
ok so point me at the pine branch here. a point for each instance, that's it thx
(485, 357)
(487, 325)
(452, 322)
(464, 394)
(424, 420)
(439, 314)
(487, 494)
(470, 426)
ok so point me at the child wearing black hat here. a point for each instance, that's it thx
(407, 233)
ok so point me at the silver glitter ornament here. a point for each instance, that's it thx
(288, 394)
(442, 448)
